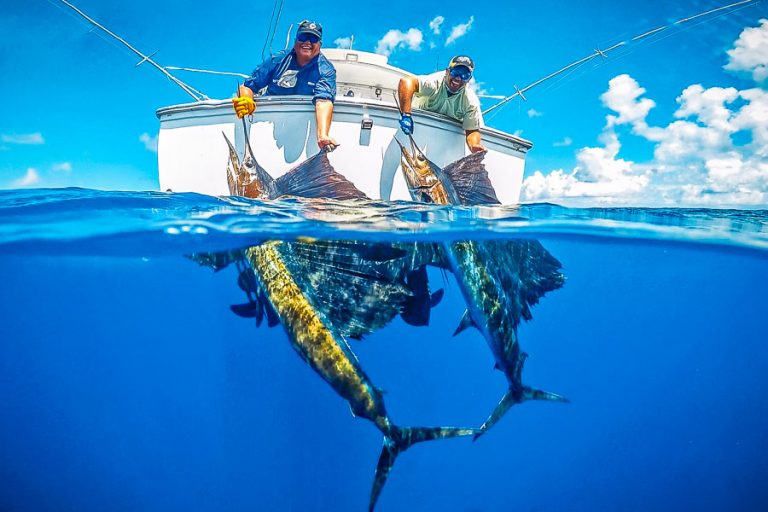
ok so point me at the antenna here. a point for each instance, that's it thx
(197, 95)
(602, 53)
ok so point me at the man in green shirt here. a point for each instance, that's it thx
(445, 93)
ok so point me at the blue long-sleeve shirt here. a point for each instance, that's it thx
(282, 75)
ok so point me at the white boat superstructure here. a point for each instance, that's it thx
(192, 153)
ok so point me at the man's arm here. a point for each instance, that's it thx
(323, 115)
(407, 87)
(473, 141)
(244, 104)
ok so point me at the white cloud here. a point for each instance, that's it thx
(29, 179)
(753, 117)
(150, 143)
(478, 87)
(26, 138)
(396, 39)
(434, 25)
(750, 52)
(622, 97)
(459, 31)
(62, 167)
(534, 113)
(567, 141)
(344, 42)
(696, 161)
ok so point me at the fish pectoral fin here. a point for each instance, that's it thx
(416, 308)
(215, 260)
(436, 297)
(466, 321)
(247, 310)
(272, 318)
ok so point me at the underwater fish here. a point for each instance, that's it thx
(499, 280)
(324, 347)
(325, 292)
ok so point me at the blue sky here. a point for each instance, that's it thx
(658, 122)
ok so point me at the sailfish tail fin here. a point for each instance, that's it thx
(400, 439)
(515, 396)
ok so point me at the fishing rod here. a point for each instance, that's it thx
(603, 53)
(197, 95)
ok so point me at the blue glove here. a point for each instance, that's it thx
(406, 123)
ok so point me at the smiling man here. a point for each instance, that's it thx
(302, 70)
(445, 93)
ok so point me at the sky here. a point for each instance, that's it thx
(677, 119)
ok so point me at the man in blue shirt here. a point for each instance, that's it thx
(302, 70)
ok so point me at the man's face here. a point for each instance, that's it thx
(457, 77)
(307, 46)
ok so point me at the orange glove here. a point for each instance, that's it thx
(244, 106)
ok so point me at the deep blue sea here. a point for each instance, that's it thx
(127, 384)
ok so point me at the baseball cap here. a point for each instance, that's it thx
(462, 60)
(310, 27)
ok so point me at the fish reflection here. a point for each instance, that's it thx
(499, 280)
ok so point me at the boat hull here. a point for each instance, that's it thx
(192, 153)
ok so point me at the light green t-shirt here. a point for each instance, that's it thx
(462, 106)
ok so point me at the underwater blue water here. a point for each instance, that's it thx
(127, 384)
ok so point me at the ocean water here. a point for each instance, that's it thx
(127, 384)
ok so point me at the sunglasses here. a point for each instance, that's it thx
(461, 73)
(303, 38)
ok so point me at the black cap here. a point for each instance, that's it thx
(462, 60)
(310, 27)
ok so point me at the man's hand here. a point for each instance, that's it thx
(326, 143)
(244, 106)
(406, 124)
(474, 141)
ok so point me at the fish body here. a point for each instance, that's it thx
(320, 344)
(498, 280)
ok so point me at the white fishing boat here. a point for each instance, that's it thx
(192, 153)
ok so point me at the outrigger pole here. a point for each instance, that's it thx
(197, 95)
(602, 53)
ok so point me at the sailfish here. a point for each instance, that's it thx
(499, 280)
(326, 292)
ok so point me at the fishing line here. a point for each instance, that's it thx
(269, 29)
(274, 31)
(730, 8)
